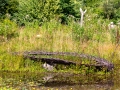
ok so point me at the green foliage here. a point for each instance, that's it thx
(82, 33)
(36, 11)
(111, 9)
(8, 6)
(7, 28)
(66, 9)
(54, 36)
(42, 11)
(108, 10)
(91, 3)
(117, 14)
(78, 32)
(113, 35)
(117, 9)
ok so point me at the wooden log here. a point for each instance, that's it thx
(32, 55)
(64, 62)
(99, 60)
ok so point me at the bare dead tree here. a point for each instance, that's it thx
(82, 15)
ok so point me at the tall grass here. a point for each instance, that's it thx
(93, 39)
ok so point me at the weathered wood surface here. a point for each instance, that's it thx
(100, 62)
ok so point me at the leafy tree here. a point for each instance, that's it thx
(90, 2)
(117, 9)
(36, 11)
(108, 10)
(8, 6)
(66, 8)
(40, 11)
(111, 9)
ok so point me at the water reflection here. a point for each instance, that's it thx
(54, 81)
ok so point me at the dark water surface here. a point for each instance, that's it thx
(57, 81)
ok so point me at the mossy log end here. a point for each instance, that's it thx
(100, 62)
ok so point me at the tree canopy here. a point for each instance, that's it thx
(40, 11)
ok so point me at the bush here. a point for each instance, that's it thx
(117, 9)
(43, 11)
(111, 9)
(36, 11)
(7, 28)
(8, 6)
(66, 8)
(108, 10)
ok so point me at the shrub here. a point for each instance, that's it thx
(8, 6)
(111, 9)
(66, 8)
(7, 28)
(108, 10)
(43, 11)
(117, 9)
(36, 11)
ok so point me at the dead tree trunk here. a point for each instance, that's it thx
(82, 15)
(37, 56)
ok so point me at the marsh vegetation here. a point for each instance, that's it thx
(55, 27)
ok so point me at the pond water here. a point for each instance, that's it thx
(57, 81)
